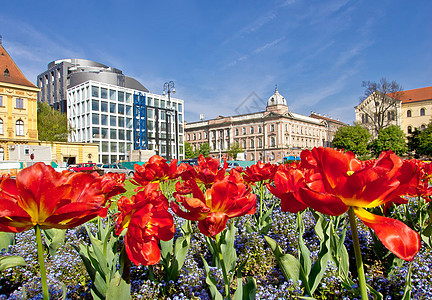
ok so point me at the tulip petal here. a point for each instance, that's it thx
(395, 235)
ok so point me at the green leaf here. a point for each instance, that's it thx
(249, 289)
(320, 264)
(118, 289)
(377, 295)
(6, 239)
(211, 282)
(100, 286)
(228, 251)
(304, 253)
(289, 265)
(7, 262)
(54, 238)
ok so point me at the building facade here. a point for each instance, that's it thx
(18, 106)
(410, 110)
(332, 127)
(416, 109)
(113, 110)
(267, 136)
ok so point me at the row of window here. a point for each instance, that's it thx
(19, 102)
(422, 112)
(411, 130)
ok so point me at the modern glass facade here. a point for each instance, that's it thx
(104, 114)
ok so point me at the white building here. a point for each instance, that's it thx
(107, 114)
(267, 136)
(106, 107)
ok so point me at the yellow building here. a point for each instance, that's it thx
(416, 109)
(18, 105)
(18, 123)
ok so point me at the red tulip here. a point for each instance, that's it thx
(225, 199)
(207, 171)
(41, 196)
(155, 170)
(340, 181)
(259, 172)
(287, 182)
(147, 221)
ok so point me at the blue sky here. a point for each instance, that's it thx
(226, 57)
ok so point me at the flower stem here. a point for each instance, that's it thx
(41, 263)
(358, 256)
(224, 272)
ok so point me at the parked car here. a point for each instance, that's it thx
(231, 165)
(117, 168)
(87, 167)
(192, 161)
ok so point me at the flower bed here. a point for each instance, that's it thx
(207, 259)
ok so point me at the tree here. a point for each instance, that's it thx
(381, 109)
(390, 138)
(189, 151)
(204, 149)
(234, 150)
(423, 141)
(52, 124)
(352, 138)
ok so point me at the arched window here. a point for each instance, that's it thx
(252, 144)
(251, 130)
(409, 129)
(422, 112)
(19, 127)
(1, 126)
(408, 113)
(272, 141)
(1, 153)
(236, 131)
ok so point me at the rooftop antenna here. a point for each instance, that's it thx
(201, 117)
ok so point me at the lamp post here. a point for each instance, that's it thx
(168, 88)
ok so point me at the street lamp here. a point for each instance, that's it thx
(168, 88)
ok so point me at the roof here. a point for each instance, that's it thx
(9, 71)
(417, 95)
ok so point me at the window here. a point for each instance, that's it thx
(112, 108)
(236, 131)
(1, 153)
(19, 103)
(272, 141)
(200, 135)
(251, 130)
(252, 144)
(244, 130)
(1, 100)
(6, 73)
(104, 106)
(259, 129)
(95, 91)
(104, 93)
(272, 127)
(1, 126)
(423, 127)
(422, 111)
(112, 95)
(260, 143)
(244, 144)
(390, 116)
(408, 113)
(19, 127)
(409, 130)
(121, 96)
